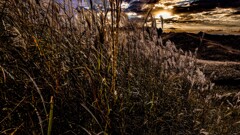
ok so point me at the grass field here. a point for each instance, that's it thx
(65, 71)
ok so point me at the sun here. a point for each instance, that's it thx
(164, 14)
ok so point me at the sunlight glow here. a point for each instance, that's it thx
(164, 14)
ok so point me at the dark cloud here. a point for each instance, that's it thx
(204, 5)
(186, 5)
(236, 13)
(136, 6)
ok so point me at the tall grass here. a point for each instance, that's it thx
(105, 74)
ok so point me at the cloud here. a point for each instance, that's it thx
(204, 5)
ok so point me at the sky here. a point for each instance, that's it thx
(212, 16)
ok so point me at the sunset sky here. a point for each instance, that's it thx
(212, 16)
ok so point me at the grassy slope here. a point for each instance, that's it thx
(219, 54)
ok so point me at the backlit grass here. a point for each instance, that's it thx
(65, 71)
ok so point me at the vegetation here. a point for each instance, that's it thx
(67, 71)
